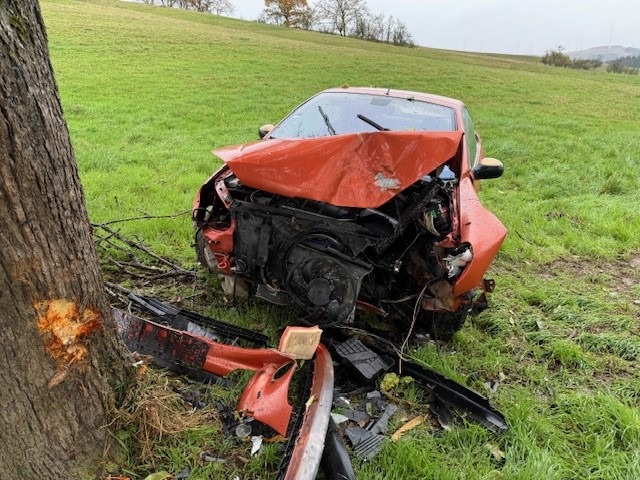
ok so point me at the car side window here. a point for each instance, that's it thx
(470, 136)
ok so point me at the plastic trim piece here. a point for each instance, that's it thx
(307, 453)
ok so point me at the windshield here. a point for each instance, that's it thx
(336, 113)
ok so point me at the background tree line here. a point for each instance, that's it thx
(348, 18)
(628, 65)
(217, 7)
(557, 58)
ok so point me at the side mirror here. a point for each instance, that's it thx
(264, 130)
(488, 168)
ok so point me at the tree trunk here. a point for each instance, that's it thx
(60, 357)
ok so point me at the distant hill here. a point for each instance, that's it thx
(606, 54)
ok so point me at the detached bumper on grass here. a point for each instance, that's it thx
(189, 343)
(265, 398)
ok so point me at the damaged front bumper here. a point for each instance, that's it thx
(264, 399)
(264, 402)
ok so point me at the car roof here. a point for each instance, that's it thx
(384, 92)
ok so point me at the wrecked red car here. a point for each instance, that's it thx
(359, 199)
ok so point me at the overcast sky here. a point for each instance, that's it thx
(505, 26)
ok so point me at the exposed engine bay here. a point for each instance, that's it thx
(399, 260)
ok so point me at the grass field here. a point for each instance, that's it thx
(148, 92)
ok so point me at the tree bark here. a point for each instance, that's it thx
(60, 358)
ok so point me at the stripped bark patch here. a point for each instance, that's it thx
(64, 328)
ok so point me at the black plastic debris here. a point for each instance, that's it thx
(336, 463)
(457, 396)
(340, 401)
(381, 425)
(367, 441)
(357, 416)
(356, 434)
(368, 447)
(442, 412)
(362, 359)
(182, 317)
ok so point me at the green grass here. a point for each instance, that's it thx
(148, 92)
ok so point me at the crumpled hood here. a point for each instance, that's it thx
(362, 170)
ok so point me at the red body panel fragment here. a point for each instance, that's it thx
(265, 398)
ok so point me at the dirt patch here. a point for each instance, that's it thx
(619, 275)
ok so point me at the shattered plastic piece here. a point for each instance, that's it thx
(368, 448)
(443, 414)
(455, 395)
(184, 473)
(338, 419)
(265, 397)
(256, 444)
(357, 434)
(170, 348)
(410, 425)
(223, 329)
(173, 348)
(206, 457)
(374, 395)
(357, 415)
(381, 425)
(243, 430)
(363, 359)
(336, 463)
(373, 403)
(341, 402)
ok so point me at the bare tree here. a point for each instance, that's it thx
(370, 27)
(60, 354)
(341, 15)
(222, 7)
(401, 35)
(382, 29)
(289, 13)
(217, 7)
(197, 5)
(389, 26)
